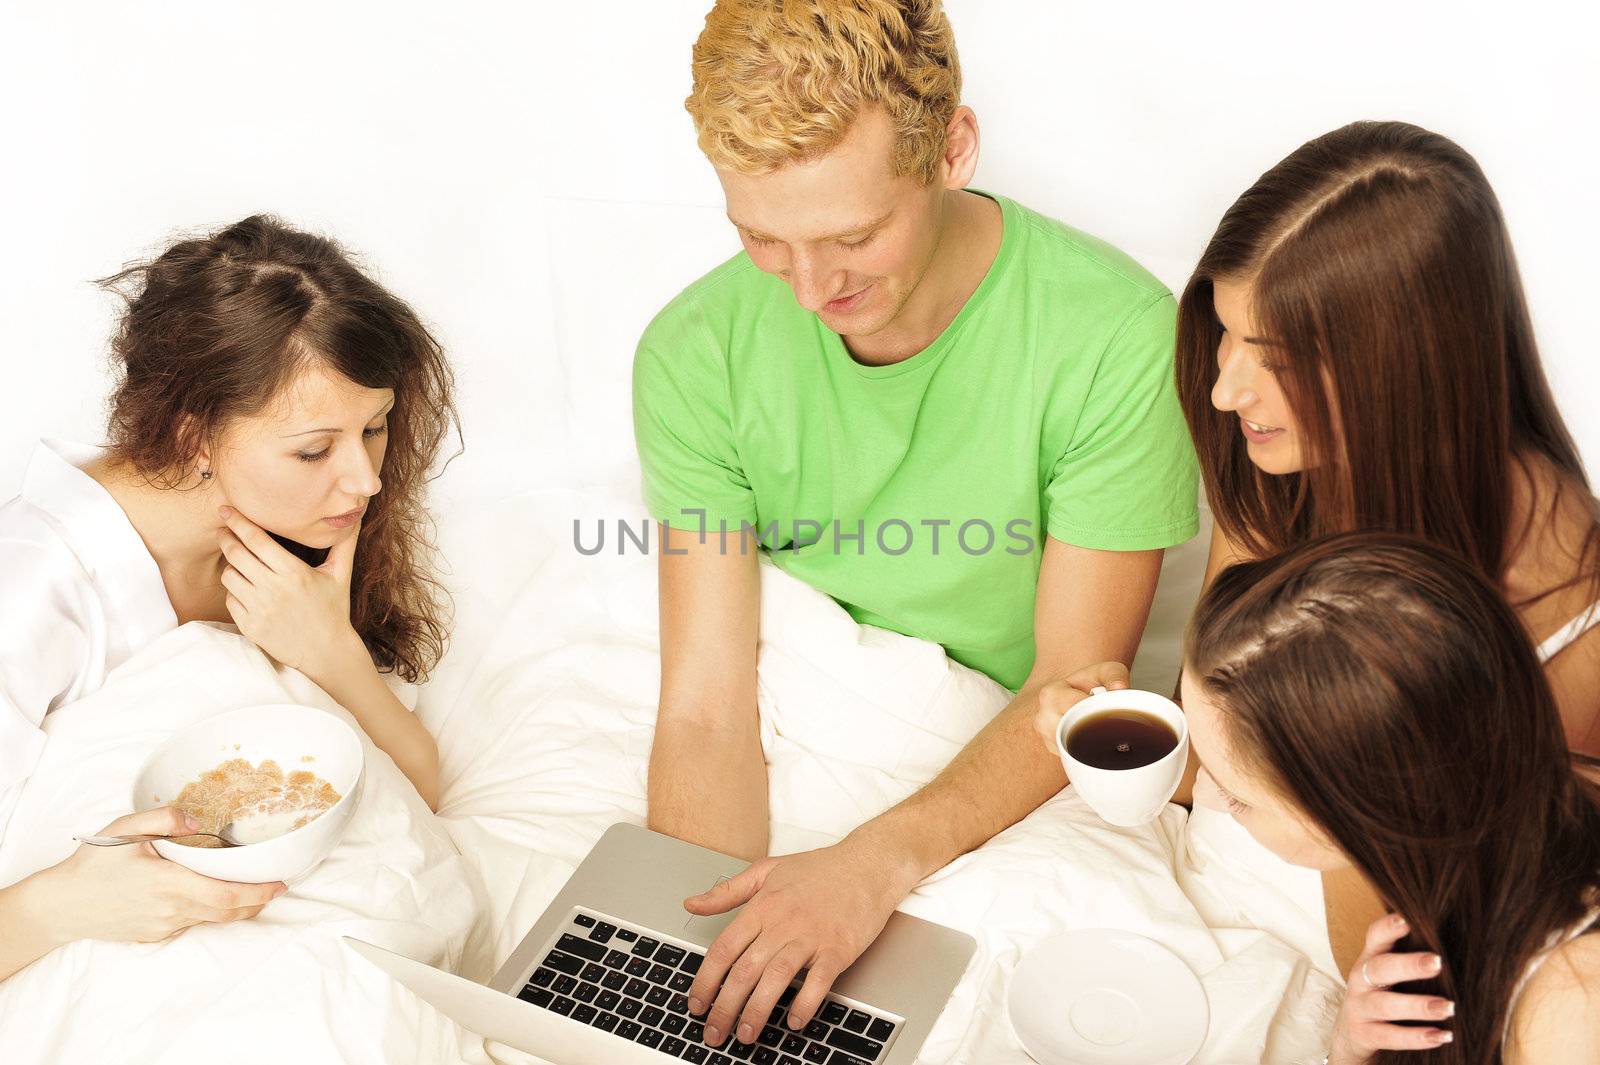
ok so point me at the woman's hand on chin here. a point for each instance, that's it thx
(301, 617)
(298, 614)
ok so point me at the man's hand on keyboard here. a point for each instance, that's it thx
(817, 910)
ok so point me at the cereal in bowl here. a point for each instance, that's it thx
(260, 800)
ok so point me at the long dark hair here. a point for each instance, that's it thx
(1383, 685)
(217, 326)
(1379, 262)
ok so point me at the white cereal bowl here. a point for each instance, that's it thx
(284, 733)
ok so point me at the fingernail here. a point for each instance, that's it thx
(1445, 1037)
(1447, 1008)
(190, 823)
(713, 1035)
(746, 1035)
(694, 1005)
(1435, 963)
(1399, 923)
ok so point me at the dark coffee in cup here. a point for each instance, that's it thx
(1121, 739)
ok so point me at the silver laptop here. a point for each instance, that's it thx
(603, 977)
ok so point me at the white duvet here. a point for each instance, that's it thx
(543, 711)
(281, 987)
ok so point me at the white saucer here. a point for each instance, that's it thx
(1106, 997)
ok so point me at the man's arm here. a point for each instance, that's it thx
(819, 910)
(1089, 605)
(708, 776)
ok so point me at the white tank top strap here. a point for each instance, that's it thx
(1570, 633)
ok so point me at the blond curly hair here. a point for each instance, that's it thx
(780, 81)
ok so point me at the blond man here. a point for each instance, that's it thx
(952, 414)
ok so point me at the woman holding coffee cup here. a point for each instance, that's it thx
(1354, 352)
(1370, 700)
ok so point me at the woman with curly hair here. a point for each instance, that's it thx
(275, 417)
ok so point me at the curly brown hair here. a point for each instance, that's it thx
(217, 326)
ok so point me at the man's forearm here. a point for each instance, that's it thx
(708, 785)
(999, 778)
(1090, 606)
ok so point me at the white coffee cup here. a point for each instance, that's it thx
(1126, 797)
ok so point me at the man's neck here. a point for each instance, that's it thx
(968, 242)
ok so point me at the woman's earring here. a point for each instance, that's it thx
(205, 475)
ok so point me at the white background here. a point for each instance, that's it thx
(525, 174)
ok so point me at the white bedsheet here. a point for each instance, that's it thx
(544, 712)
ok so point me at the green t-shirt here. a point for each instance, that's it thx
(914, 494)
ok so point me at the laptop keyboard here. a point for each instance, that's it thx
(634, 984)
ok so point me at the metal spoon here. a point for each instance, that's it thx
(225, 835)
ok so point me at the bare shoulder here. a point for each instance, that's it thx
(1574, 676)
(1553, 554)
(1552, 532)
(1557, 1017)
